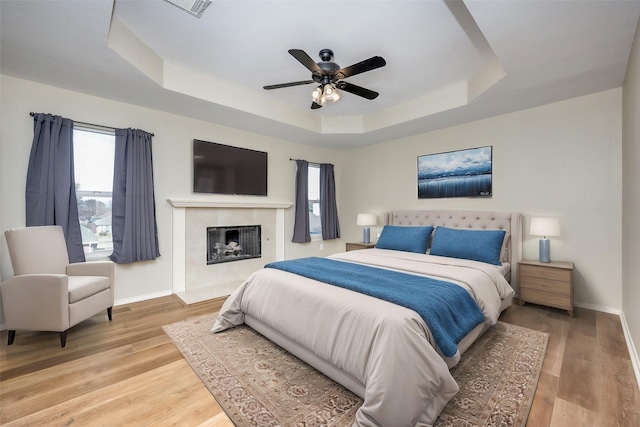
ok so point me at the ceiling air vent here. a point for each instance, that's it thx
(194, 7)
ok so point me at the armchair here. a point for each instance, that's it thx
(47, 293)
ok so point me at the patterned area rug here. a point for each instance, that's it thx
(259, 384)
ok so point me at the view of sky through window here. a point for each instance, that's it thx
(93, 158)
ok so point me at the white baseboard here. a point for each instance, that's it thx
(594, 307)
(145, 297)
(633, 353)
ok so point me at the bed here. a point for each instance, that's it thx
(384, 352)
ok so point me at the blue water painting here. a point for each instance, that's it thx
(463, 173)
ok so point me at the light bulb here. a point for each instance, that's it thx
(316, 94)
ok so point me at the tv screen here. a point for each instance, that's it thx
(223, 169)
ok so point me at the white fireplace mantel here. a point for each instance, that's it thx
(180, 207)
(246, 204)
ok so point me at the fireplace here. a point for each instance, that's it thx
(233, 243)
(193, 280)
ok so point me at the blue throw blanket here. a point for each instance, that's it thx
(447, 309)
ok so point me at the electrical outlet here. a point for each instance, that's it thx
(321, 246)
(378, 235)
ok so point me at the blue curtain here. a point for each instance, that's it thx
(50, 191)
(301, 229)
(134, 228)
(328, 206)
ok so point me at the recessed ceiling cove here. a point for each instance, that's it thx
(465, 66)
(446, 62)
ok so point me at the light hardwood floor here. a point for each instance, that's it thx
(127, 372)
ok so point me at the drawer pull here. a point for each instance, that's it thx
(544, 285)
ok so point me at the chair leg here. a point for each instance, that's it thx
(63, 338)
(110, 313)
(12, 336)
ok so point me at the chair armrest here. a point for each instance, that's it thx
(36, 302)
(94, 268)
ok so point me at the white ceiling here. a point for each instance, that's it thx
(447, 62)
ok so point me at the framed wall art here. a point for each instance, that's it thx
(461, 173)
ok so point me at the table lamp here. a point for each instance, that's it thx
(366, 219)
(545, 227)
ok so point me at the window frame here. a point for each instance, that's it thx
(318, 234)
(93, 193)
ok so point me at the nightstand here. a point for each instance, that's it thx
(547, 283)
(359, 245)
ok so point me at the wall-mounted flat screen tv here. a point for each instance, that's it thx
(224, 169)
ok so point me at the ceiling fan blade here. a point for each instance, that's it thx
(315, 106)
(305, 60)
(361, 67)
(357, 90)
(281, 85)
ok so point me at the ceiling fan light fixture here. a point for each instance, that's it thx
(325, 92)
(331, 93)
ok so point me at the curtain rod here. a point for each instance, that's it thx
(91, 124)
(311, 163)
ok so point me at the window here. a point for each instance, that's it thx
(93, 157)
(315, 227)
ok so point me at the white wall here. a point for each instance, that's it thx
(172, 168)
(562, 159)
(631, 196)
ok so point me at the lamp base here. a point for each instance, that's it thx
(366, 236)
(545, 249)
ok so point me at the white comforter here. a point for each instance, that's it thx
(388, 348)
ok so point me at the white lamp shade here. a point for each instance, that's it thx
(545, 227)
(367, 219)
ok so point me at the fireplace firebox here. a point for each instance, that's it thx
(233, 243)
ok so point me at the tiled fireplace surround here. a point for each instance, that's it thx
(193, 279)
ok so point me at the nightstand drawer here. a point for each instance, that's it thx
(546, 298)
(358, 245)
(545, 273)
(546, 285)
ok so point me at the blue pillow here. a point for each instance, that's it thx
(408, 239)
(476, 245)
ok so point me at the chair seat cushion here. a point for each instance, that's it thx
(81, 287)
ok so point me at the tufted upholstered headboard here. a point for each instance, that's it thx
(475, 220)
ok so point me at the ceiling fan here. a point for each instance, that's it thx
(329, 75)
